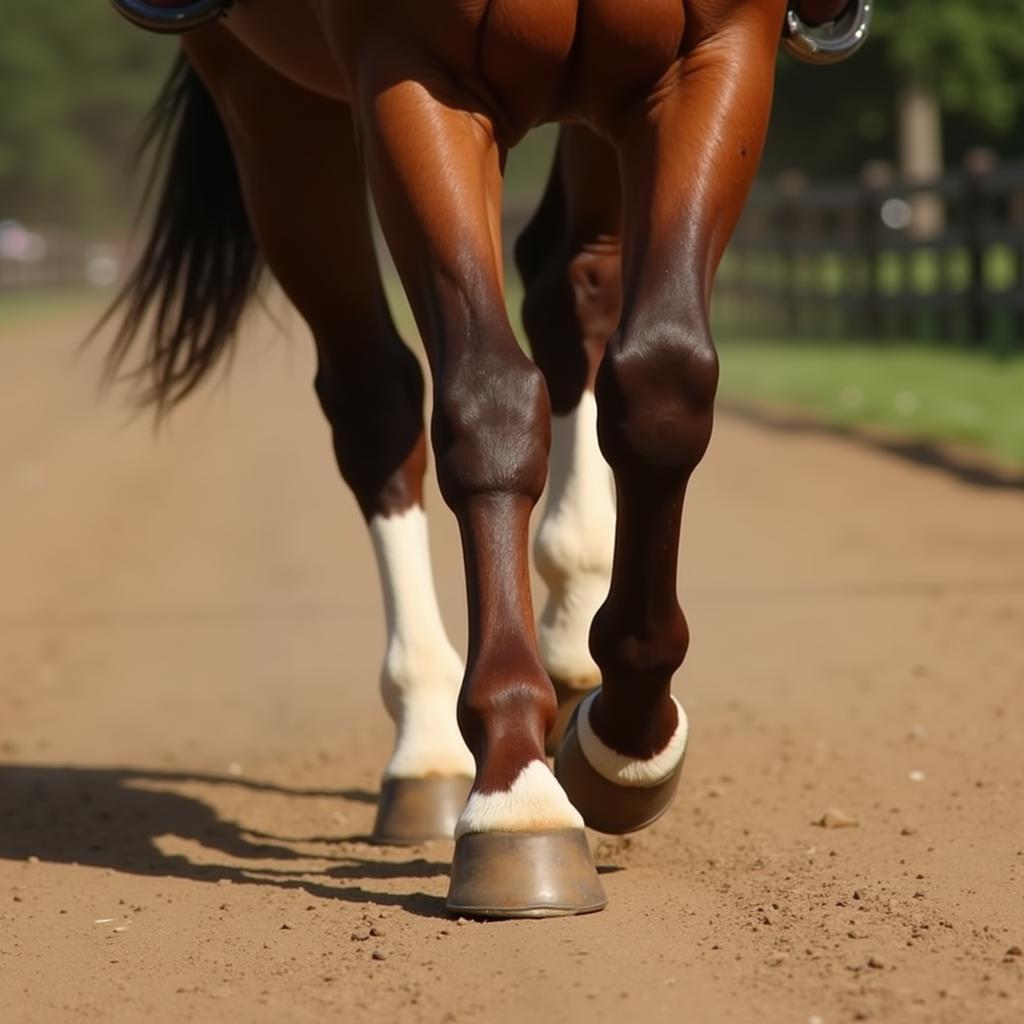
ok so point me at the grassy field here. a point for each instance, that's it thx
(17, 308)
(916, 391)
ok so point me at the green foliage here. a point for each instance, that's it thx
(76, 81)
(971, 54)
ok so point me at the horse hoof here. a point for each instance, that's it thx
(524, 874)
(605, 805)
(569, 698)
(413, 811)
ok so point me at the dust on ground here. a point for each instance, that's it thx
(190, 736)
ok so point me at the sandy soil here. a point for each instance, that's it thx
(190, 737)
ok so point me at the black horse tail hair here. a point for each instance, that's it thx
(200, 264)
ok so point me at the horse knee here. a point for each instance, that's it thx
(491, 427)
(656, 391)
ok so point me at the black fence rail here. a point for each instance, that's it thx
(882, 258)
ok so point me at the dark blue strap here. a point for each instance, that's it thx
(171, 20)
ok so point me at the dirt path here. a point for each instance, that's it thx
(190, 738)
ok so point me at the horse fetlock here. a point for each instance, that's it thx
(508, 704)
(647, 652)
(428, 739)
(564, 629)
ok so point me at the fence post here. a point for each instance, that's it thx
(977, 163)
(876, 175)
(789, 187)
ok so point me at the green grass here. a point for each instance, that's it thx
(916, 391)
(19, 308)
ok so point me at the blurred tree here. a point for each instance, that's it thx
(76, 81)
(936, 77)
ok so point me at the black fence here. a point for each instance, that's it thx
(882, 258)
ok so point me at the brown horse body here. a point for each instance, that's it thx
(665, 105)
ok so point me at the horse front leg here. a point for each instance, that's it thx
(434, 170)
(569, 256)
(688, 158)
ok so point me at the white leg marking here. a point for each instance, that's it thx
(628, 771)
(574, 546)
(536, 801)
(422, 674)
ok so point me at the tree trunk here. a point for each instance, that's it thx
(920, 141)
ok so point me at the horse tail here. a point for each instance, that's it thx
(200, 264)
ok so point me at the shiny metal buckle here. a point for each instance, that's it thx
(830, 43)
(171, 20)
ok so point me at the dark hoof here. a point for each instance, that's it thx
(413, 811)
(569, 698)
(605, 806)
(524, 874)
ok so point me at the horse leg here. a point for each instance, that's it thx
(570, 260)
(435, 171)
(311, 220)
(688, 157)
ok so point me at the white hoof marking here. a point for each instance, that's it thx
(534, 802)
(630, 771)
(575, 544)
(422, 674)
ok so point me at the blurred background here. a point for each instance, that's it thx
(877, 277)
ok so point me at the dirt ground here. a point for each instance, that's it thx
(190, 736)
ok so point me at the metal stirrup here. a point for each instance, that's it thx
(831, 43)
(171, 20)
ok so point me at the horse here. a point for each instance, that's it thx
(276, 122)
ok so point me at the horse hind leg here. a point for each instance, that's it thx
(570, 261)
(370, 388)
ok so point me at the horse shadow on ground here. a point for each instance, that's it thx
(114, 818)
(962, 466)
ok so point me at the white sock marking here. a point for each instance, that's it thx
(629, 771)
(422, 674)
(574, 546)
(535, 802)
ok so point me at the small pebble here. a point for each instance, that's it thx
(1014, 951)
(377, 933)
(916, 775)
(908, 830)
(835, 818)
(379, 955)
(873, 961)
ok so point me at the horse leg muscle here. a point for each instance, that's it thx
(570, 259)
(311, 219)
